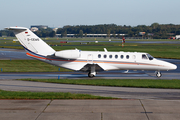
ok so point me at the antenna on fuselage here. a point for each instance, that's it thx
(105, 50)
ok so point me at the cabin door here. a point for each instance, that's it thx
(90, 59)
(134, 58)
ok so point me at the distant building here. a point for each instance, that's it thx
(91, 35)
(177, 37)
(34, 29)
(55, 29)
(37, 27)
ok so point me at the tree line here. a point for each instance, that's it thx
(155, 30)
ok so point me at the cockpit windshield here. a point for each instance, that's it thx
(144, 57)
(150, 57)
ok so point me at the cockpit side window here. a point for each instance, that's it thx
(144, 57)
(150, 57)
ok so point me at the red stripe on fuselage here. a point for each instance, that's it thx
(35, 56)
(44, 58)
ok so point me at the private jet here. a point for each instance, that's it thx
(88, 61)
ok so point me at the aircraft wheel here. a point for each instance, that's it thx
(90, 75)
(158, 74)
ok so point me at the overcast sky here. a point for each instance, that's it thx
(55, 13)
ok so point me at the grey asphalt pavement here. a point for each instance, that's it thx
(136, 103)
(117, 92)
(90, 109)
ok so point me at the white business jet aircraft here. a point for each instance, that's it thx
(88, 61)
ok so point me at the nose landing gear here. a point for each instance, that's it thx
(158, 74)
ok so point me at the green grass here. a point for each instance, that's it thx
(28, 66)
(140, 83)
(46, 95)
(171, 51)
(157, 50)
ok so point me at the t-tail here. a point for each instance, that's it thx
(31, 42)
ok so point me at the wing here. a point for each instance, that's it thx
(87, 68)
(98, 67)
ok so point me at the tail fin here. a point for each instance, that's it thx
(31, 42)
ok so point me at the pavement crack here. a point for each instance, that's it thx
(144, 109)
(44, 109)
(101, 116)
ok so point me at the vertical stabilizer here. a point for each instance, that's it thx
(31, 42)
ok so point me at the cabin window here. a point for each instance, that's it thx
(144, 57)
(110, 56)
(99, 56)
(116, 56)
(122, 56)
(105, 56)
(127, 56)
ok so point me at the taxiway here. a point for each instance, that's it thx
(136, 103)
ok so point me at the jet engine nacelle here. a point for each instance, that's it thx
(68, 54)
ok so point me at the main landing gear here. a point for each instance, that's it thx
(91, 75)
(158, 74)
(92, 72)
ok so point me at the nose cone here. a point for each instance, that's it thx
(173, 67)
(166, 65)
(170, 66)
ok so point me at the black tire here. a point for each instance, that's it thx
(158, 74)
(90, 75)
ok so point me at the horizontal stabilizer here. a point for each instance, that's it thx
(16, 28)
